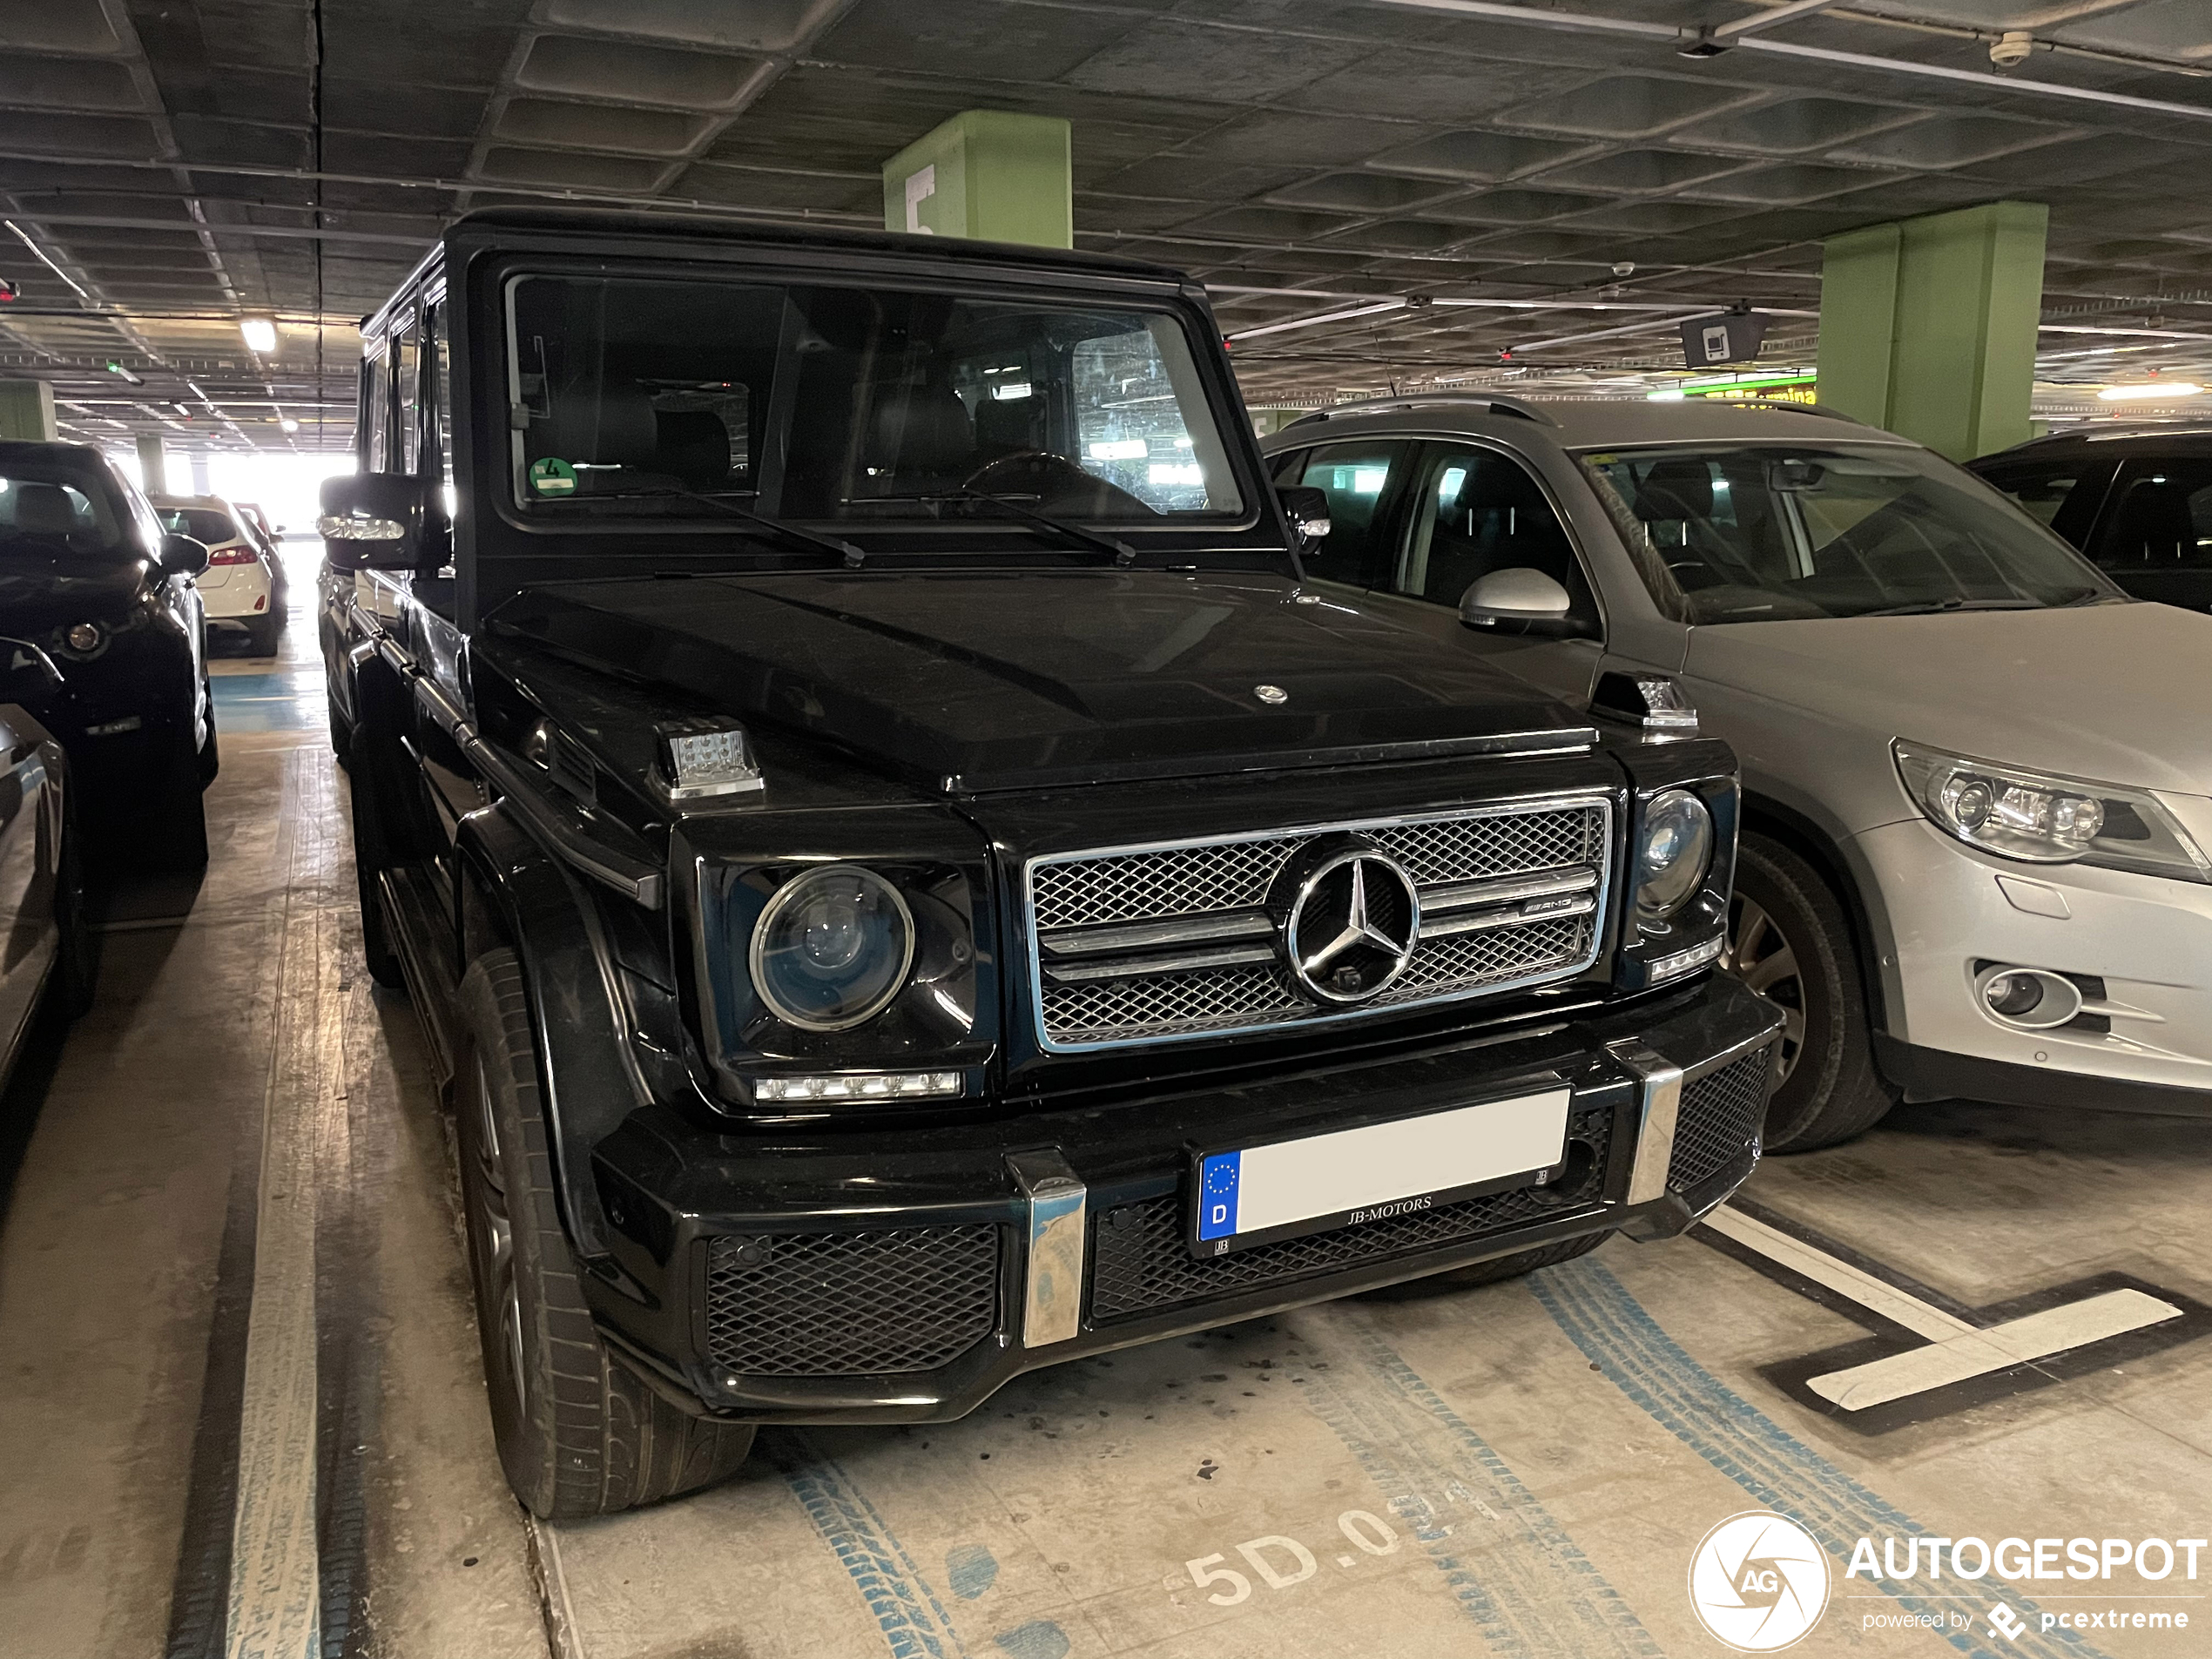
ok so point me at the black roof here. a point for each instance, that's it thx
(84, 455)
(2131, 439)
(725, 228)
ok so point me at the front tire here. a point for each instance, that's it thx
(578, 1432)
(1790, 941)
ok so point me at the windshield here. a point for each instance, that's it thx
(633, 396)
(1762, 533)
(201, 523)
(45, 510)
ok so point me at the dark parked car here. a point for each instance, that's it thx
(2137, 500)
(909, 883)
(42, 890)
(88, 573)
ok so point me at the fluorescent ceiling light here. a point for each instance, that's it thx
(259, 332)
(2155, 391)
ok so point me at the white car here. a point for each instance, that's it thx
(243, 586)
(1976, 803)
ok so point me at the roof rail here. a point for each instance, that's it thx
(1496, 403)
(1747, 402)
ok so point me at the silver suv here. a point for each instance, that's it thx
(1978, 783)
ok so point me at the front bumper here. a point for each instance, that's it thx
(2145, 943)
(895, 1278)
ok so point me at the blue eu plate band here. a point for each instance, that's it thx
(1052, 1306)
(1658, 1104)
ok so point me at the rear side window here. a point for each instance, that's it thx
(2160, 519)
(1359, 479)
(2062, 496)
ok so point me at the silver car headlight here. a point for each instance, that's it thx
(2041, 818)
(832, 949)
(1672, 854)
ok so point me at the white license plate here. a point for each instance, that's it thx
(1355, 1176)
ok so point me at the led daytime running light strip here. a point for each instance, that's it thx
(860, 1085)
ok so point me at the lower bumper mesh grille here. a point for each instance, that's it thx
(1719, 1113)
(850, 1304)
(1141, 1263)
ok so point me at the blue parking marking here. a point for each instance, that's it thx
(1217, 1194)
(1509, 1563)
(906, 1610)
(1785, 1474)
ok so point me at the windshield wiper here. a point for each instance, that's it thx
(1929, 607)
(852, 557)
(1123, 552)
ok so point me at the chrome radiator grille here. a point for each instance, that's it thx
(1150, 944)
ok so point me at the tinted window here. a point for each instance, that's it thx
(2062, 494)
(2160, 520)
(1357, 478)
(200, 523)
(406, 382)
(45, 510)
(1476, 510)
(822, 401)
(1760, 533)
(376, 412)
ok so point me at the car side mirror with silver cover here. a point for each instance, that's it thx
(1521, 601)
(1307, 508)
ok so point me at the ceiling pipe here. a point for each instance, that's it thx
(1711, 43)
(1583, 22)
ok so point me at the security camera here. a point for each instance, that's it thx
(2011, 48)
(1624, 267)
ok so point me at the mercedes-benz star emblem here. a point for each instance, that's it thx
(1351, 926)
(1272, 695)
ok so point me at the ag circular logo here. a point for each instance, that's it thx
(1759, 1581)
(1354, 918)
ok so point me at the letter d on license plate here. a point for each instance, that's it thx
(1257, 1194)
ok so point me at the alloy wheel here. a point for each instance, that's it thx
(1759, 953)
(498, 1238)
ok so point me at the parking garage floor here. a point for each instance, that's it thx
(244, 1413)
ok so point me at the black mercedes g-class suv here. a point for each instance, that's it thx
(907, 882)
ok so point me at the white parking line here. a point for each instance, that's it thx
(1957, 1350)
(1875, 1295)
(275, 1590)
(1979, 1353)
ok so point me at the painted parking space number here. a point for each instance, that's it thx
(1280, 1562)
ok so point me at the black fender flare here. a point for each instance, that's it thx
(510, 893)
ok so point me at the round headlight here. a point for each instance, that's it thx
(1674, 854)
(832, 949)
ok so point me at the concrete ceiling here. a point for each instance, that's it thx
(169, 167)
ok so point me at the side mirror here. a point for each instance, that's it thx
(1520, 601)
(1308, 510)
(28, 674)
(372, 521)
(181, 556)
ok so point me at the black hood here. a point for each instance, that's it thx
(970, 681)
(43, 587)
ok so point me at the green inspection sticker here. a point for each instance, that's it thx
(552, 476)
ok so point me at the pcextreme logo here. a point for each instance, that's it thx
(1759, 1581)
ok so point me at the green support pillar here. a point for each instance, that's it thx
(1927, 326)
(987, 174)
(27, 411)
